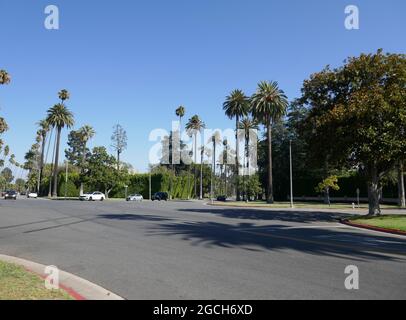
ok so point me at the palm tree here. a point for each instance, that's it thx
(215, 140)
(43, 132)
(59, 117)
(246, 125)
(180, 112)
(195, 126)
(86, 133)
(4, 77)
(64, 95)
(268, 105)
(202, 150)
(236, 106)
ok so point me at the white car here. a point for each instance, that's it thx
(135, 197)
(32, 195)
(95, 196)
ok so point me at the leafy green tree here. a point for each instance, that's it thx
(100, 171)
(330, 183)
(357, 117)
(59, 117)
(268, 105)
(119, 142)
(20, 184)
(78, 150)
(7, 175)
(236, 106)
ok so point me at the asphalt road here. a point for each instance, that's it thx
(187, 250)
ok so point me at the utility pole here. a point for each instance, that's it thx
(291, 175)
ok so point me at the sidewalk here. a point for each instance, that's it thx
(78, 288)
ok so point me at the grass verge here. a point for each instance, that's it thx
(392, 222)
(303, 205)
(18, 284)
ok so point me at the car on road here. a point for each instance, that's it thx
(160, 196)
(222, 198)
(10, 195)
(32, 195)
(94, 196)
(135, 197)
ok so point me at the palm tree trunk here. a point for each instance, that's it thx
(194, 167)
(41, 171)
(401, 183)
(270, 199)
(237, 162)
(52, 168)
(58, 140)
(83, 168)
(201, 176)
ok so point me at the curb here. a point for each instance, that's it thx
(367, 227)
(78, 288)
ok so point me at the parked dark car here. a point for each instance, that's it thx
(222, 198)
(10, 195)
(160, 196)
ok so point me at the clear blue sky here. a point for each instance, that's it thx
(134, 62)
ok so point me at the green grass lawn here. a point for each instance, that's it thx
(394, 222)
(18, 284)
(304, 205)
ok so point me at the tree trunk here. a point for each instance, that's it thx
(118, 160)
(374, 194)
(194, 167)
(270, 199)
(201, 178)
(41, 171)
(401, 186)
(58, 138)
(237, 162)
(83, 167)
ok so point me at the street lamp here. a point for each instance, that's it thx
(291, 174)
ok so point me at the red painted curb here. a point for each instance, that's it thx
(68, 290)
(363, 226)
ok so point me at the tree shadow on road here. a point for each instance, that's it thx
(279, 215)
(337, 243)
(132, 217)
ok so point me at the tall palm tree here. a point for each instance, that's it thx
(246, 125)
(64, 95)
(86, 133)
(44, 128)
(202, 149)
(59, 117)
(195, 126)
(4, 77)
(236, 106)
(215, 139)
(269, 104)
(180, 112)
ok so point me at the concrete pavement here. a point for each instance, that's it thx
(186, 250)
